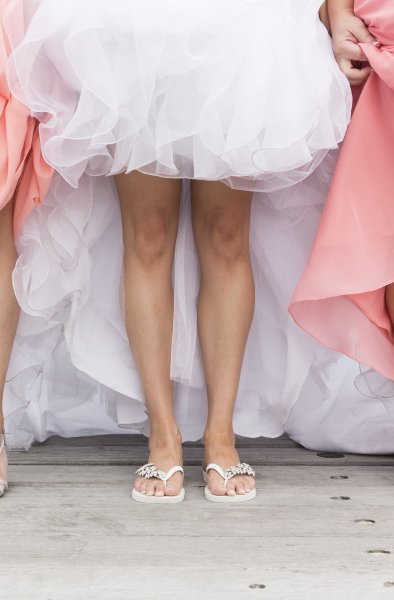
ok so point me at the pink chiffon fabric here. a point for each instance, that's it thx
(341, 297)
(24, 175)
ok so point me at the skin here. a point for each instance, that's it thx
(150, 211)
(347, 32)
(9, 311)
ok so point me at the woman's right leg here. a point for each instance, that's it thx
(9, 311)
(150, 213)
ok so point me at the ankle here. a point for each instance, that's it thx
(213, 436)
(164, 436)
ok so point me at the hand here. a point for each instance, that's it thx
(347, 32)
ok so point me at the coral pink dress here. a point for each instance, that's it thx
(341, 298)
(23, 172)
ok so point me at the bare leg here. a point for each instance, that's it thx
(9, 313)
(150, 212)
(221, 218)
(9, 310)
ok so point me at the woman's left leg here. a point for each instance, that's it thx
(221, 220)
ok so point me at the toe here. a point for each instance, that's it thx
(250, 483)
(150, 488)
(144, 486)
(174, 485)
(231, 488)
(159, 488)
(216, 485)
(240, 486)
(138, 483)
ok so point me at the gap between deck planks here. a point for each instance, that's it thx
(69, 530)
(132, 450)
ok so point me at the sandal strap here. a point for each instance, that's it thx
(233, 471)
(150, 471)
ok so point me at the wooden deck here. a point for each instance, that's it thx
(322, 528)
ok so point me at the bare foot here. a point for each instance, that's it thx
(220, 449)
(165, 453)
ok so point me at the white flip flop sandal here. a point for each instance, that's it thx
(227, 474)
(150, 471)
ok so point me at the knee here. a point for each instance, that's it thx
(153, 237)
(228, 238)
(8, 254)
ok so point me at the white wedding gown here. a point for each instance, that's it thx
(245, 91)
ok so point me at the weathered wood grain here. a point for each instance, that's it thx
(69, 530)
(132, 450)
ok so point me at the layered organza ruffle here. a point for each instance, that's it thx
(72, 369)
(24, 175)
(226, 90)
(245, 91)
(341, 297)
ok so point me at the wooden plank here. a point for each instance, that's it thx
(193, 455)
(74, 533)
(131, 582)
(302, 496)
(69, 529)
(140, 440)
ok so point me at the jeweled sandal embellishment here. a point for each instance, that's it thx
(150, 471)
(239, 469)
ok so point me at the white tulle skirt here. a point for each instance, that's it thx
(72, 372)
(245, 91)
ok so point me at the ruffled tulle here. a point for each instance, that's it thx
(194, 91)
(224, 90)
(24, 175)
(341, 297)
(72, 372)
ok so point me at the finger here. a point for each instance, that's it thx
(359, 76)
(355, 75)
(346, 66)
(363, 35)
(350, 50)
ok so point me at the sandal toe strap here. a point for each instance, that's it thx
(150, 471)
(233, 471)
